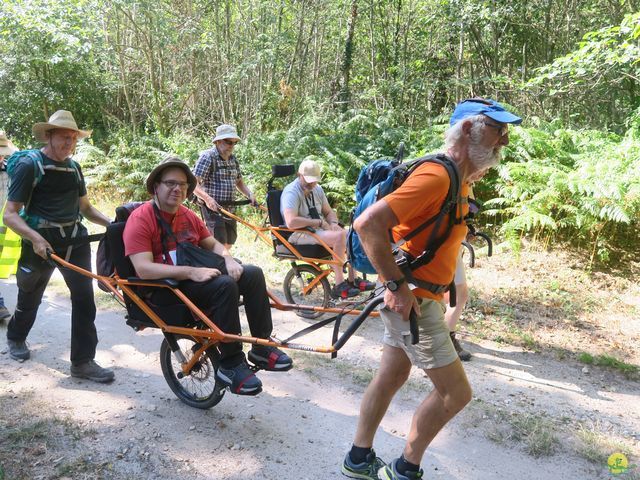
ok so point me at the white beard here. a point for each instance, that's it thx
(482, 157)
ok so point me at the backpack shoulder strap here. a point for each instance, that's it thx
(452, 193)
(449, 209)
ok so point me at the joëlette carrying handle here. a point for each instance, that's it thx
(413, 327)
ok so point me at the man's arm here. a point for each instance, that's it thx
(92, 213)
(147, 269)
(242, 187)
(293, 220)
(205, 197)
(373, 227)
(15, 222)
(330, 216)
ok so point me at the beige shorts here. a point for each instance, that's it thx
(434, 349)
(301, 238)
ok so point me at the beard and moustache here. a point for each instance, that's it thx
(482, 157)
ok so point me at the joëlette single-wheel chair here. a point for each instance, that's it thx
(189, 357)
(307, 281)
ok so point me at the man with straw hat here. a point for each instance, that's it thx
(6, 149)
(46, 203)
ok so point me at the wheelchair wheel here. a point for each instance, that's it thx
(199, 388)
(294, 283)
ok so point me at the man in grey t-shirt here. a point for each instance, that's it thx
(304, 205)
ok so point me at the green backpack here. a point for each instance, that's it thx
(34, 157)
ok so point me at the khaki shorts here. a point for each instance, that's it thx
(434, 349)
(301, 238)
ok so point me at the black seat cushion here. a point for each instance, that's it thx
(309, 251)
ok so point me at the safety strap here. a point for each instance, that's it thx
(164, 227)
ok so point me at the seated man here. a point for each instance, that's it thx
(152, 252)
(304, 205)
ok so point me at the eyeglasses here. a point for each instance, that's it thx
(502, 129)
(231, 143)
(171, 184)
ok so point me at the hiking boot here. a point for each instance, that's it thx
(390, 472)
(240, 379)
(344, 290)
(463, 354)
(4, 314)
(363, 285)
(18, 350)
(270, 358)
(367, 469)
(92, 371)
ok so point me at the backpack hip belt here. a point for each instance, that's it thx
(43, 223)
(403, 260)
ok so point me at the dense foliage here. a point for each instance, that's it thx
(345, 81)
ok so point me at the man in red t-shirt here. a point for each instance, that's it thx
(478, 133)
(215, 294)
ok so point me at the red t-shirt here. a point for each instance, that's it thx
(142, 232)
(419, 198)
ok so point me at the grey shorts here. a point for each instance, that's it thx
(434, 349)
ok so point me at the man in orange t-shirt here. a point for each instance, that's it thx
(478, 133)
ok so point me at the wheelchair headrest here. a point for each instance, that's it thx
(279, 171)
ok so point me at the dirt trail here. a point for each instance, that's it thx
(302, 424)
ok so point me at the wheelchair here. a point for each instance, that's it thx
(307, 281)
(189, 357)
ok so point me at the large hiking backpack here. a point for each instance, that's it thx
(382, 177)
(34, 157)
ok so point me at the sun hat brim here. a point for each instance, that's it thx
(155, 174)
(40, 130)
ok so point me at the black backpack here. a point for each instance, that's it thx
(105, 265)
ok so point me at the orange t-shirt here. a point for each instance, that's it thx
(419, 198)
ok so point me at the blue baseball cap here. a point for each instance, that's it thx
(490, 108)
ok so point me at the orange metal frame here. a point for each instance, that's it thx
(317, 263)
(211, 334)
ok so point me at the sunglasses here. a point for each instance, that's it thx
(502, 129)
(231, 143)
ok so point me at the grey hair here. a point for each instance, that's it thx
(454, 133)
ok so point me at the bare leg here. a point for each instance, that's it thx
(452, 392)
(394, 371)
(337, 240)
(452, 315)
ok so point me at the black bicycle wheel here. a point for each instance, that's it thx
(199, 388)
(294, 284)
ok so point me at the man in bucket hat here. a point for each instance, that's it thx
(6, 149)
(46, 203)
(479, 131)
(218, 174)
(152, 251)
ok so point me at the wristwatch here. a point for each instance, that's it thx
(394, 285)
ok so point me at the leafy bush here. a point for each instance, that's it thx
(580, 185)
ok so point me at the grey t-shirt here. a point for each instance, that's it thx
(293, 198)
